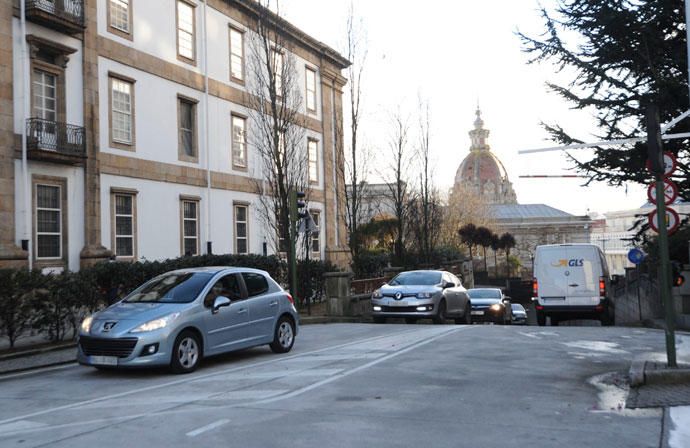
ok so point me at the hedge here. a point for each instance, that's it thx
(54, 305)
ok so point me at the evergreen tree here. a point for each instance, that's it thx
(624, 54)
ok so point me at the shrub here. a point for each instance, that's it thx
(18, 290)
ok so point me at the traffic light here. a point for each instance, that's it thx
(677, 278)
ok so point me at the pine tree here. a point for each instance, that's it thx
(628, 53)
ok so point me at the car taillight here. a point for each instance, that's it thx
(602, 286)
(289, 297)
(535, 288)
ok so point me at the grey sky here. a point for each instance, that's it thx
(457, 53)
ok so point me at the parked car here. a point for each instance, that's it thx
(571, 281)
(490, 305)
(414, 295)
(519, 314)
(180, 317)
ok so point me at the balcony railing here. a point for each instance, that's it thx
(62, 15)
(52, 136)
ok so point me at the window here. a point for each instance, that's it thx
(185, 31)
(239, 141)
(187, 139)
(124, 224)
(120, 18)
(190, 226)
(228, 286)
(277, 67)
(236, 55)
(241, 239)
(315, 240)
(256, 283)
(311, 90)
(121, 112)
(45, 95)
(48, 221)
(313, 153)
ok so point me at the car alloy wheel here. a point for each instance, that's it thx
(284, 336)
(440, 317)
(186, 353)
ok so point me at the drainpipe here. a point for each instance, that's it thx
(25, 112)
(204, 50)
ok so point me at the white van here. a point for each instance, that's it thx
(571, 281)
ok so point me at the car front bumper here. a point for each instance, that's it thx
(408, 307)
(487, 315)
(125, 351)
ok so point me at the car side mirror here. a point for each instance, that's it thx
(219, 303)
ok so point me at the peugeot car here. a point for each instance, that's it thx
(414, 295)
(180, 317)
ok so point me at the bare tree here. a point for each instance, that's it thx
(357, 157)
(396, 179)
(463, 207)
(278, 127)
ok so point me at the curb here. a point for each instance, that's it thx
(646, 373)
(36, 351)
(3, 373)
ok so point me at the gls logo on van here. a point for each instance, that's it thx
(573, 262)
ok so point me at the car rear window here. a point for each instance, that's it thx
(256, 283)
(416, 278)
(484, 294)
(171, 288)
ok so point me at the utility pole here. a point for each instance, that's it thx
(297, 212)
(656, 159)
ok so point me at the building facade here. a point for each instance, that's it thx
(138, 132)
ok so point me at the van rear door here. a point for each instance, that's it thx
(582, 273)
(550, 268)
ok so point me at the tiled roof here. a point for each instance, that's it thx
(525, 211)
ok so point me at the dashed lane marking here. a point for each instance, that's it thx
(208, 427)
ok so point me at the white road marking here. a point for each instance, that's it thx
(21, 425)
(83, 403)
(209, 427)
(36, 371)
(529, 335)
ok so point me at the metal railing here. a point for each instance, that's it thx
(49, 135)
(70, 10)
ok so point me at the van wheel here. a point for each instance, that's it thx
(607, 320)
(541, 319)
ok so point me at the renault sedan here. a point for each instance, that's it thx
(414, 295)
(180, 317)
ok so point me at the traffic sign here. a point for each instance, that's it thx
(636, 256)
(669, 161)
(672, 221)
(670, 192)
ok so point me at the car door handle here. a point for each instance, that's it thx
(242, 311)
(573, 285)
(274, 303)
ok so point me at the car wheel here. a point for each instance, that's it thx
(379, 320)
(466, 318)
(186, 353)
(284, 336)
(541, 319)
(410, 320)
(440, 317)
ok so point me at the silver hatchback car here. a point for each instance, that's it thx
(180, 317)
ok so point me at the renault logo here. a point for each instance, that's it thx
(398, 295)
(108, 326)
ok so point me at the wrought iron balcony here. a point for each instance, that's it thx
(62, 15)
(54, 141)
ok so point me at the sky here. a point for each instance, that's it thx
(457, 54)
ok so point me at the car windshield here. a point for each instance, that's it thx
(416, 278)
(484, 293)
(182, 287)
(517, 307)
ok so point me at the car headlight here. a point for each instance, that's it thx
(156, 324)
(496, 307)
(86, 324)
(376, 294)
(424, 295)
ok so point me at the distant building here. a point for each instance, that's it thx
(376, 201)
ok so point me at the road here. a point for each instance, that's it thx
(354, 385)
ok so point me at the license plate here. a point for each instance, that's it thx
(400, 303)
(104, 360)
(477, 313)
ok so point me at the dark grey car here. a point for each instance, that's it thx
(180, 317)
(414, 295)
(490, 305)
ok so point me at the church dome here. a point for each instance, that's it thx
(482, 172)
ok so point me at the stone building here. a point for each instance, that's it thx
(120, 160)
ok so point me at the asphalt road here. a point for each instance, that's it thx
(354, 385)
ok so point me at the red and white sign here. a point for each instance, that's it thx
(672, 221)
(669, 164)
(670, 192)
